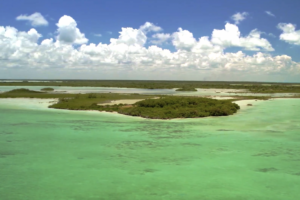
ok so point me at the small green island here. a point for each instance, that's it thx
(186, 89)
(21, 91)
(47, 89)
(178, 107)
(168, 107)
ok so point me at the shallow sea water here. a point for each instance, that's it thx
(48, 154)
(199, 92)
(83, 90)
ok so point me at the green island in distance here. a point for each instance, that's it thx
(187, 89)
(47, 89)
(22, 91)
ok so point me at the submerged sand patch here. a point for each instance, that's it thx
(244, 104)
(29, 102)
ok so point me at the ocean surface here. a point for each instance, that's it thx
(48, 154)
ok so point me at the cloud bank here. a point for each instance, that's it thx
(137, 50)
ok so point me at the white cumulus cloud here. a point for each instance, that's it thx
(130, 37)
(148, 27)
(290, 34)
(15, 45)
(231, 37)
(238, 17)
(183, 40)
(160, 38)
(68, 33)
(36, 19)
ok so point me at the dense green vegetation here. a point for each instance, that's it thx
(25, 93)
(164, 108)
(180, 107)
(85, 99)
(187, 89)
(47, 89)
(257, 87)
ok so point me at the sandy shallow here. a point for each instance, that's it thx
(223, 90)
(28, 102)
(123, 101)
(221, 98)
(245, 104)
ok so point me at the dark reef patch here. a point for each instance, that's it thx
(265, 170)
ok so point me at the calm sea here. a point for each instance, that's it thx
(50, 154)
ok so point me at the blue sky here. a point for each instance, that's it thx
(262, 44)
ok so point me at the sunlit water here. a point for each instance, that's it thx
(199, 92)
(50, 154)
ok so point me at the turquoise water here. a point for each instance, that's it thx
(50, 154)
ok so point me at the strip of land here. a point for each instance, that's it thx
(147, 106)
(254, 87)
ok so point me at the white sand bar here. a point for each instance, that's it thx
(221, 98)
(216, 90)
(123, 101)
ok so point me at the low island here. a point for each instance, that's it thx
(20, 92)
(147, 106)
(168, 107)
(47, 89)
(180, 107)
(186, 89)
